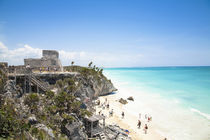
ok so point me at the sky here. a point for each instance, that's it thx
(111, 33)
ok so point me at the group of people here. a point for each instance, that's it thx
(47, 69)
(104, 105)
(147, 118)
(41, 69)
(111, 112)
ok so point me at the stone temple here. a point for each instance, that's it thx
(50, 60)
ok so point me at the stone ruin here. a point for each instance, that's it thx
(50, 60)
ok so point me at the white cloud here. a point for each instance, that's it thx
(3, 48)
(103, 59)
(16, 56)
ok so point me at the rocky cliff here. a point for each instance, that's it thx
(90, 83)
(51, 115)
(93, 87)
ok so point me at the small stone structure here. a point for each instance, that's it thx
(92, 125)
(49, 61)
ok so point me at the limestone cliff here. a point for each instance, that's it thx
(91, 82)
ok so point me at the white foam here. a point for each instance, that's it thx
(207, 116)
(171, 119)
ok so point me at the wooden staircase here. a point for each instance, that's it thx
(41, 84)
(31, 78)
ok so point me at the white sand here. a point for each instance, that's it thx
(129, 121)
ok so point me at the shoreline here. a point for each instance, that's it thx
(129, 122)
(169, 118)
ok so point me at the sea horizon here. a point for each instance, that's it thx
(156, 66)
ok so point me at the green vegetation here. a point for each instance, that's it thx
(11, 125)
(3, 79)
(32, 100)
(89, 65)
(59, 83)
(86, 70)
(50, 94)
(57, 111)
(95, 72)
(67, 82)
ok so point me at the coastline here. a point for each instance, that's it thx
(170, 119)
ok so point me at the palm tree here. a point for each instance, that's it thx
(72, 63)
(101, 71)
(89, 65)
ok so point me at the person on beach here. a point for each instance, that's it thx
(139, 124)
(123, 114)
(102, 115)
(148, 119)
(98, 102)
(145, 116)
(139, 115)
(107, 106)
(111, 113)
(103, 106)
(99, 112)
(145, 128)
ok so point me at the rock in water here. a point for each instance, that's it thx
(123, 101)
(130, 98)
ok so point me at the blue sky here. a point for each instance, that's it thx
(111, 33)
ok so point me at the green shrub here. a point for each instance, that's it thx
(68, 117)
(3, 79)
(71, 88)
(10, 125)
(84, 112)
(50, 94)
(59, 83)
(52, 109)
(32, 99)
(69, 81)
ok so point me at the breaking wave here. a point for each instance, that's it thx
(207, 116)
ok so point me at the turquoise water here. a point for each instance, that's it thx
(190, 86)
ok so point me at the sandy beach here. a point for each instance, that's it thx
(129, 121)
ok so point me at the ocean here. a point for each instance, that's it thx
(178, 98)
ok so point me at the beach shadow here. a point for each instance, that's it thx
(111, 93)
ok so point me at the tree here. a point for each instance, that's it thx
(94, 67)
(101, 71)
(89, 65)
(32, 100)
(72, 63)
(97, 69)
